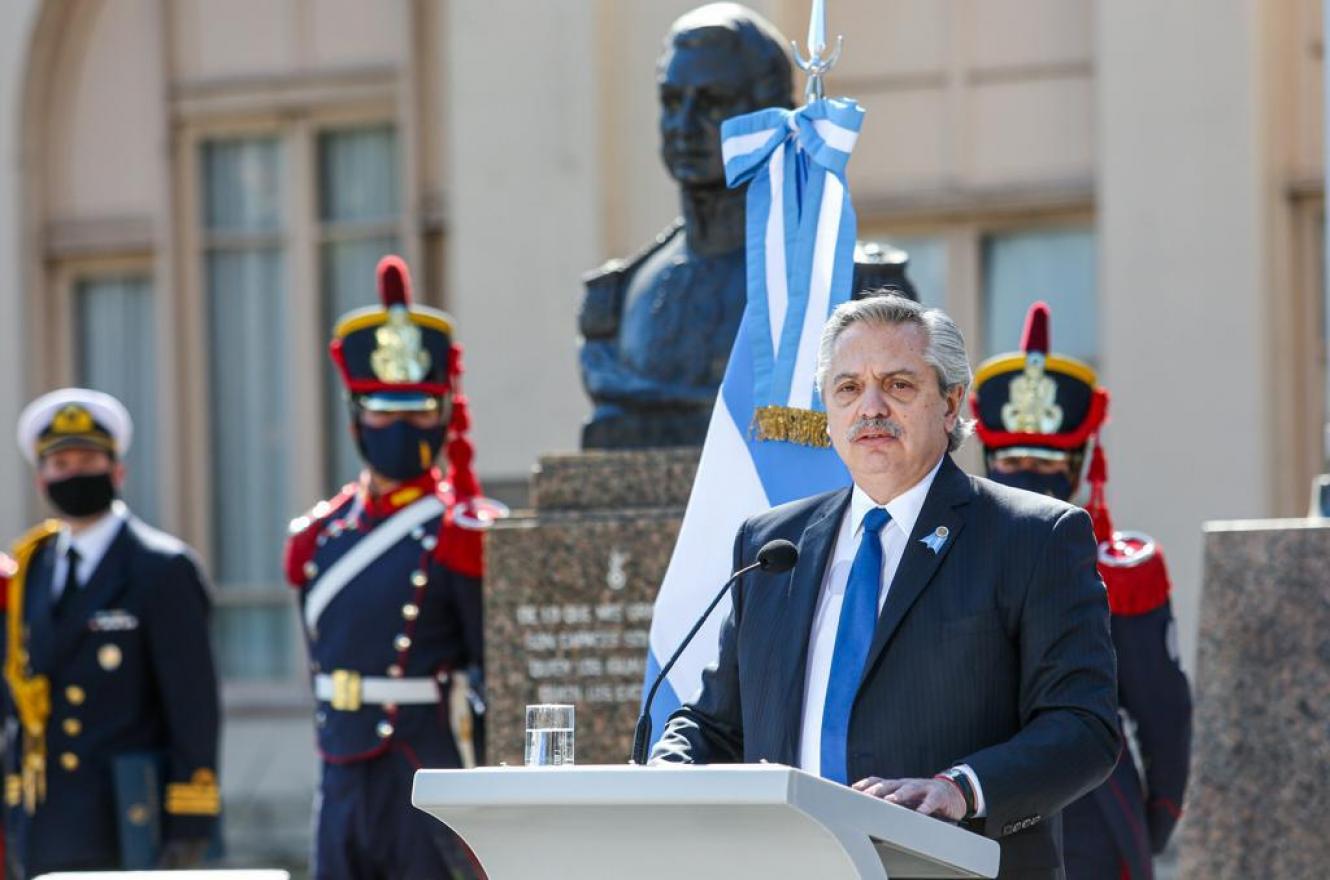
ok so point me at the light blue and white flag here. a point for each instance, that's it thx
(766, 443)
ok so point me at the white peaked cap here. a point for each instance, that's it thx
(108, 413)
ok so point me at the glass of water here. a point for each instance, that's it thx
(549, 735)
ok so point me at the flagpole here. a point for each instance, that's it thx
(818, 63)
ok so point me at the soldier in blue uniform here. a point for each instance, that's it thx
(107, 661)
(1037, 412)
(389, 579)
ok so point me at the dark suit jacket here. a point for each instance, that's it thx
(131, 671)
(993, 652)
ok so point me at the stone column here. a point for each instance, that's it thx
(1178, 109)
(1260, 777)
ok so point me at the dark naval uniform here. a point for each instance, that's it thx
(1039, 406)
(111, 708)
(390, 596)
(129, 672)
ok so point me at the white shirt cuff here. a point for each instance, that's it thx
(980, 810)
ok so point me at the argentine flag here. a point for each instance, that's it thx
(766, 443)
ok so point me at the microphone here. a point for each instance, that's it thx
(775, 557)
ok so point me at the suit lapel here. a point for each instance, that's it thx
(105, 584)
(796, 620)
(950, 489)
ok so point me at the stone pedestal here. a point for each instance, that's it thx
(569, 592)
(1260, 779)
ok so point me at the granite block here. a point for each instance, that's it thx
(569, 593)
(613, 480)
(1260, 775)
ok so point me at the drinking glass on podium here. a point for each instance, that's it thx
(549, 735)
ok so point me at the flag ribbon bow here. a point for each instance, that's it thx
(800, 237)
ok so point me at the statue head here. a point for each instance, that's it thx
(720, 60)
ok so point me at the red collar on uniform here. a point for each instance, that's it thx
(383, 506)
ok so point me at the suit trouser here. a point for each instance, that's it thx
(366, 829)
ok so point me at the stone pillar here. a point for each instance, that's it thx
(569, 591)
(1260, 778)
(1177, 141)
(523, 224)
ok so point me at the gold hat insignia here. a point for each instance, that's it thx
(1032, 406)
(399, 357)
(72, 419)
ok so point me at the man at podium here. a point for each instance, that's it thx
(943, 641)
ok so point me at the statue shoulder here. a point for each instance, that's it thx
(303, 533)
(599, 318)
(617, 268)
(1133, 569)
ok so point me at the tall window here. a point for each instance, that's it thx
(113, 326)
(246, 320)
(1057, 266)
(358, 213)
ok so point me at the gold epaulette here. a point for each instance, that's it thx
(198, 797)
(802, 426)
(31, 693)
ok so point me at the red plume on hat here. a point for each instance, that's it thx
(394, 282)
(1035, 336)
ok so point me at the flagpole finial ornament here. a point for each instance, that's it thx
(818, 63)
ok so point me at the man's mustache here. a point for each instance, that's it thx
(875, 425)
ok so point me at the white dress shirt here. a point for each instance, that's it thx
(904, 510)
(91, 545)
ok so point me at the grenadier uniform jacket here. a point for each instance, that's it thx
(391, 602)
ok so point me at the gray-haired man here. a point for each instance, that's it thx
(943, 641)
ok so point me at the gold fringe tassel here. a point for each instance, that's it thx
(31, 693)
(802, 426)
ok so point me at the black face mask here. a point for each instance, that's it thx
(1058, 485)
(82, 496)
(401, 451)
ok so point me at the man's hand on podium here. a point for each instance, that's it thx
(938, 798)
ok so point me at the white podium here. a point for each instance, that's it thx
(663, 823)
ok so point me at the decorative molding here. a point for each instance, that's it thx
(960, 202)
(925, 80)
(63, 239)
(1021, 73)
(282, 94)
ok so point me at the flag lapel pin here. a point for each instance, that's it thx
(935, 541)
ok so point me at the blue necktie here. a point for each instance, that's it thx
(854, 636)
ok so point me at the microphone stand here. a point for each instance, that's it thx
(642, 734)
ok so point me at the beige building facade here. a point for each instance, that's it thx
(191, 191)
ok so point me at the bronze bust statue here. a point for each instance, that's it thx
(657, 328)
